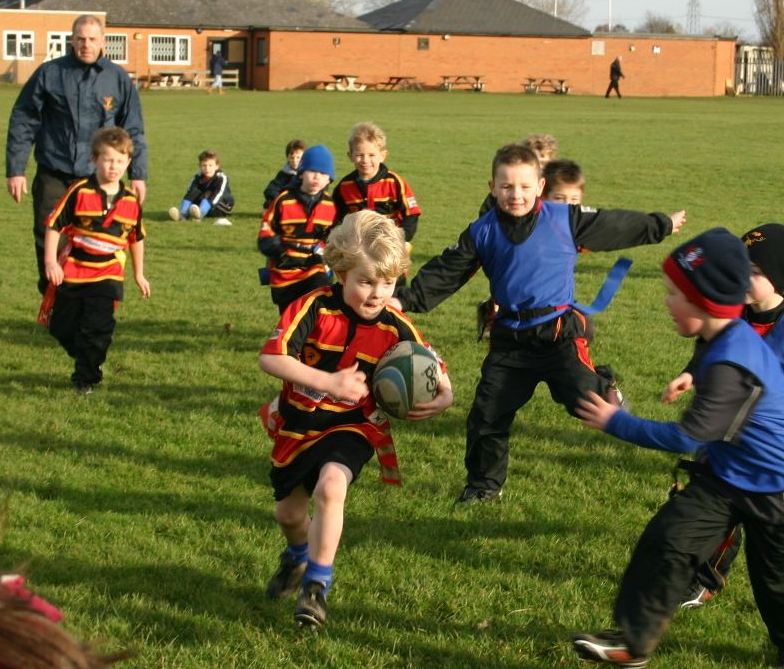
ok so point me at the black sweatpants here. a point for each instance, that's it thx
(48, 188)
(516, 364)
(682, 536)
(84, 326)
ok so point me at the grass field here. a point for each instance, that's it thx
(144, 510)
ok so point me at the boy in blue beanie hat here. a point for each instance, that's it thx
(735, 425)
(294, 229)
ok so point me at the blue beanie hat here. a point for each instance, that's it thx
(713, 271)
(317, 159)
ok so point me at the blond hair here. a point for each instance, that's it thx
(367, 237)
(544, 146)
(367, 131)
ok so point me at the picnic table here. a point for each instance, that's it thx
(170, 78)
(556, 85)
(472, 81)
(399, 82)
(344, 82)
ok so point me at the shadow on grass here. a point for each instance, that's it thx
(25, 331)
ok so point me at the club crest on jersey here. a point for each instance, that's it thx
(275, 334)
(691, 258)
(108, 103)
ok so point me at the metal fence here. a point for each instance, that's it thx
(758, 73)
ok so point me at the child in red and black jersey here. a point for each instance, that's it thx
(325, 422)
(101, 218)
(295, 227)
(374, 186)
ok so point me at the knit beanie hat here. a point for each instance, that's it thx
(765, 245)
(317, 159)
(713, 271)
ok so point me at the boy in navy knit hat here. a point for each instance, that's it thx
(735, 425)
(295, 227)
(763, 311)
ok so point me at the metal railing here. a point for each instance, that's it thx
(759, 74)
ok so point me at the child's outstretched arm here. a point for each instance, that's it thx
(441, 402)
(675, 388)
(137, 258)
(678, 220)
(595, 411)
(347, 384)
(54, 273)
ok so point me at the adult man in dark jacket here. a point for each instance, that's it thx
(59, 108)
(615, 76)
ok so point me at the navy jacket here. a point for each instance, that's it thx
(60, 107)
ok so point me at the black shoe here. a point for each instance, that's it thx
(84, 388)
(470, 495)
(609, 647)
(697, 596)
(285, 581)
(614, 395)
(311, 608)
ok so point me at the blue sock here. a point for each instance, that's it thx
(184, 206)
(299, 552)
(318, 572)
(205, 206)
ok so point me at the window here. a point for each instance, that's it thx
(261, 51)
(170, 49)
(56, 45)
(18, 45)
(117, 48)
(423, 44)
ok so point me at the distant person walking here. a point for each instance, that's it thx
(58, 110)
(217, 63)
(615, 76)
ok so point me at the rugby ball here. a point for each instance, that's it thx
(407, 374)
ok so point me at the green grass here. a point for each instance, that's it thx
(144, 511)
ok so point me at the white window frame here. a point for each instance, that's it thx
(63, 38)
(121, 37)
(23, 37)
(178, 40)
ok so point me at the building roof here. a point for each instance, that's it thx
(467, 17)
(292, 14)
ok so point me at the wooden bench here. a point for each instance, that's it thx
(399, 83)
(231, 78)
(555, 85)
(468, 81)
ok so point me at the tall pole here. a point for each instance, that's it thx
(609, 16)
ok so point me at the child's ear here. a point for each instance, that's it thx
(341, 277)
(541, 187)
(491, 185)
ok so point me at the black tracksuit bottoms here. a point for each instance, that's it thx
(84, 327)
(681, 536)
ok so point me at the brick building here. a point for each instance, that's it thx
(289, 44)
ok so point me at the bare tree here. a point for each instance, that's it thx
(573, 11)
(605, 28)
(658, 24)
(724, 29)
(769, 15)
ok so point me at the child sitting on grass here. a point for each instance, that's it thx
(325, 423)
(208, 195)
(735, 425)
(101, 218)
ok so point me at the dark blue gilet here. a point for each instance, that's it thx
(775, 339)
(535, 274)
(754, 461)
